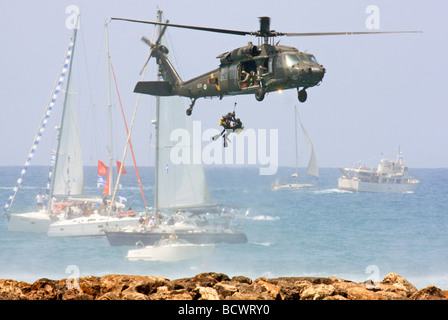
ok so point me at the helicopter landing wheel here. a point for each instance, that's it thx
(259, 95)
(302, 95)
(190, 109)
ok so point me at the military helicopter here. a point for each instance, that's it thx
(252, 69)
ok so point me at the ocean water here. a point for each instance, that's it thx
(321, 232)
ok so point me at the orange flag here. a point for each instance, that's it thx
(102, 168)
(106, 187)
(118, 168)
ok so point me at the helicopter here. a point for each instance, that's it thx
(252, 69)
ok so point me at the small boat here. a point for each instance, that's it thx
(170, 250)
(312, 169)
(390, 177)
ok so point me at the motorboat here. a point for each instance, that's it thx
(168, 250)
(390, 176)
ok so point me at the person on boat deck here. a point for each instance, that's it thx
(152, 222)
(40, 201)
(141, 220)
(104, 203)
(162, 240)
(173, 237)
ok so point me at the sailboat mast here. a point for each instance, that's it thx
(109, 106)
(297, 151)
(75, 32)
(156, 164)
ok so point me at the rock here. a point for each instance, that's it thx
(205, 293)
(317, 292)
(215, 286)
(341, 286)
(164, 293)
(445, 292)
(10, 290)
(45, 289)
(429, 293)
(225, 290)
(130, 287)
(209, 279)
(400, 283)
(272, 289)
(392, 295)
(335, 297)
(290, 287)
(242, 279)
(360, 293)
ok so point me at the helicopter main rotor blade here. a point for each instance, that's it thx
(150, 53)
(235, 32)
(305, 34)
(151, 45)
(146, 40)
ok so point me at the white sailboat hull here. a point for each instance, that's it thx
(33, 222)
(93, 225)
(361, 186)
(172, 252)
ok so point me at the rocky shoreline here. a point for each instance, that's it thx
(216, 286)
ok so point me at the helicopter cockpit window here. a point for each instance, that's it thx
(291, 59)
(311, 58)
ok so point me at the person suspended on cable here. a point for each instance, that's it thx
(237, 125)
(230, 124)
(226, 122)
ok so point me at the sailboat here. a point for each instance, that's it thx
(95, 223)
(66, 180)
(312, 170)
(181, 190)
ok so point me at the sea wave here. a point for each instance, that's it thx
(264, 218)
(328, 191)
(264, 244)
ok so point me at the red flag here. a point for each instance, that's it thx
(106, 187)
(102, 168)
(118, 168)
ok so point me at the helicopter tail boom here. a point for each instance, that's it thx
(155, 88)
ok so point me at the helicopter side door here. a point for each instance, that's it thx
(229, 79)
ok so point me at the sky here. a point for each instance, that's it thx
(380, 92)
